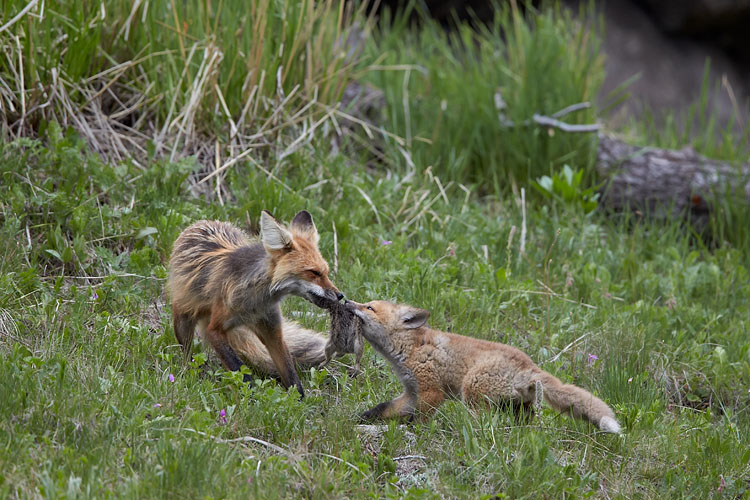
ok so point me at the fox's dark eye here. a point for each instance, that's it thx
(369, 308)
(316, 273)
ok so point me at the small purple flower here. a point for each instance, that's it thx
(631, 379)
(385, 243)
(94, 295)
(592, 359)
(171, 378)
(157, 405)
(222, 417)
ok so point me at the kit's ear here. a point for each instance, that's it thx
(303, 225)
(273, 235)
(412, 317)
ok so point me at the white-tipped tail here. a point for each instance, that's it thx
(609, 424)
(578, 402)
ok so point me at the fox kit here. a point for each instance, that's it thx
(230, 286)
(434, 365)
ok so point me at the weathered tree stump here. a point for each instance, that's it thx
(666, 183)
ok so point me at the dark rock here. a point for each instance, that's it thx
(669, 69)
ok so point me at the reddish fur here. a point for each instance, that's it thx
(221, 279)
(435, 365)
(307, 256)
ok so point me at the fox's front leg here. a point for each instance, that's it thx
(402, 406)
(184, 329)
(216, 335)
(269, 332)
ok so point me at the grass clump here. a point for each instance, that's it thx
(88, 348)
(454, 94)
(154, 77)
(698, 127)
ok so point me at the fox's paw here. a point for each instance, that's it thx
(353, 372)
(374, 413)
(367, 417)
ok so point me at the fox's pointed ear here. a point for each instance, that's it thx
(273, 235)
(412, 317)
(303, 224)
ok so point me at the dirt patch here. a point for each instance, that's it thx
(411, 467)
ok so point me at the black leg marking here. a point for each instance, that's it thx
(375, 412)
(232, 361)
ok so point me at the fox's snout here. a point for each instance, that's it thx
(333, 294)
(356, 309)
(324, 297)
(330, 289)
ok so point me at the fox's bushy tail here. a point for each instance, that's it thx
(306, 346)
(578, 402)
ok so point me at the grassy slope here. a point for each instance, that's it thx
(87, 405)
(88, 360)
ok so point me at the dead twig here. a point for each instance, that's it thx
(564, 350)
(18, 16)
(548, 121)
(335, 248)
(410, 457)
(565, 127)
(241, 439)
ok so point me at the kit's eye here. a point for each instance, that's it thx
(315, 273)
(369, 308)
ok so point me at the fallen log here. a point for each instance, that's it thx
(666, 183)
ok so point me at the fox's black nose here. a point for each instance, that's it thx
(339, 295)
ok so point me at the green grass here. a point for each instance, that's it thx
(88, 346)
(444, 92)
(166, 75)
(698, 127)
(87, 404)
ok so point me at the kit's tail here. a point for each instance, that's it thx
(578, 402)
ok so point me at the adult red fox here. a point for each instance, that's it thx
(434, 365)
(229, 286)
